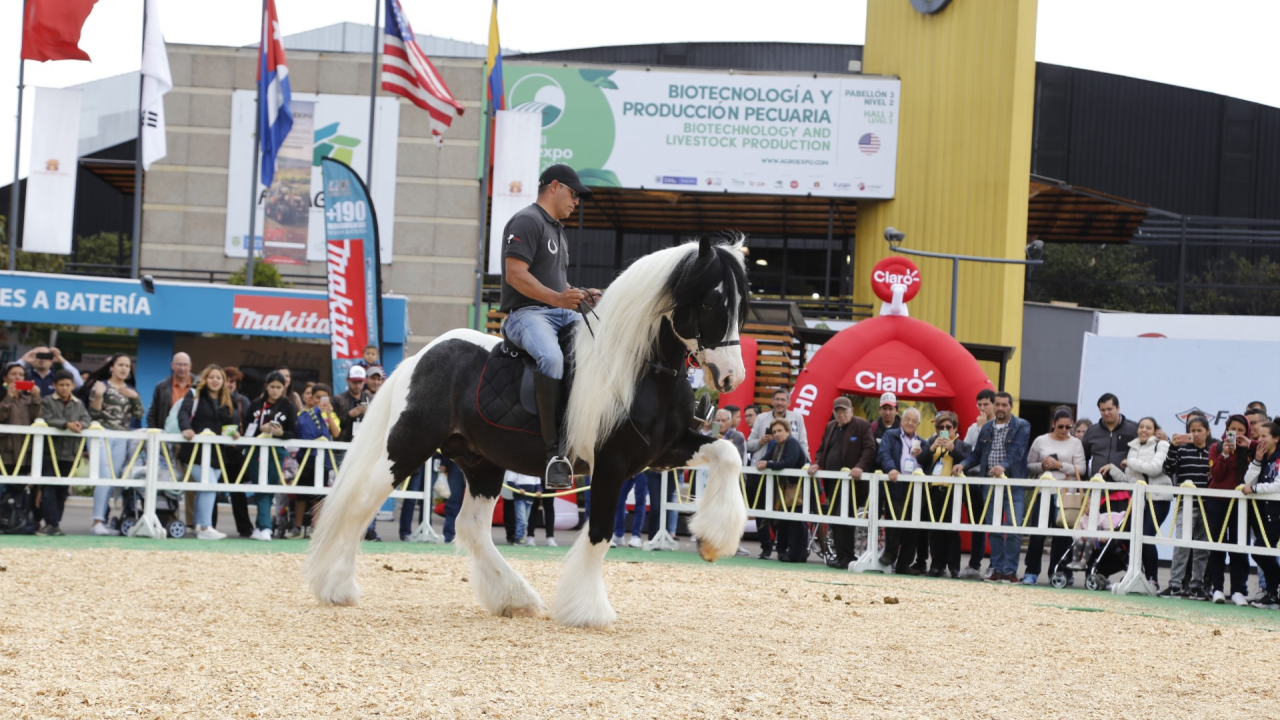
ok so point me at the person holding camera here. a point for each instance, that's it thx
(1188, 461)
(1228, 461)
(938, 457)
(272, 415)
(43, 363)
(1061, 454)
(19, 406)
(63, 411)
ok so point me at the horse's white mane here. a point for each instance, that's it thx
(608, 365)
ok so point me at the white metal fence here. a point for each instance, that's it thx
(971, 505)
(162, 471)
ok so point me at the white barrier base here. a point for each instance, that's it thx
(426, 534)
(148, 526)
(1133, 583)
(870, 562)
(661, 541)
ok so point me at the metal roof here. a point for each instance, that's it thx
(356, 38)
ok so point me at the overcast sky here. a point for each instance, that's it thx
(1226, 47)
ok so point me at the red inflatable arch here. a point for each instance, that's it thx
(890, 353)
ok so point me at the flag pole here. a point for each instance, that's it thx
(11, 228)
(253, 181)
(486, 138)
(137, 160)
(368, 173)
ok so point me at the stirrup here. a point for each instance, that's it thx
(568, 476)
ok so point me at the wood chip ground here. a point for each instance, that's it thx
(137, 634)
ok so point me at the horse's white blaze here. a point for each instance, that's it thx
(728, 363)
(497, 586)
(721, 515)
(581, 598)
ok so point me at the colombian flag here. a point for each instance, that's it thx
(496, 90)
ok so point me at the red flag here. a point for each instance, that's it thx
(51, 29)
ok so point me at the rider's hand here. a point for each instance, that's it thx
(569, 298)
(593, 296)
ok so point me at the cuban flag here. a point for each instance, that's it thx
(274, 94)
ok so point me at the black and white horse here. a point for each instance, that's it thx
(630, 407)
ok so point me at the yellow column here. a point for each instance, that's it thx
(964, 159)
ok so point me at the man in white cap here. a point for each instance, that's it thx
(888, 416)
(352, 404)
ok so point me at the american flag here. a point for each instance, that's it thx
(406, 71)
(869, 144)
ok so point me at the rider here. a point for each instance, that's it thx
(539, 301)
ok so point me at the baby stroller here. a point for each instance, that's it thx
(168, 511)
(1100, 559)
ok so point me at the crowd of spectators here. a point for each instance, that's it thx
(1000, 444)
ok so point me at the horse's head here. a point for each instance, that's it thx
(710, 292)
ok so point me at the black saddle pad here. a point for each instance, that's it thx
(498, 393)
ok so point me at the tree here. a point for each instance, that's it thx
(1107, 276)
(104, 248)
(264, 275)
(1236, 271)
(27, 262)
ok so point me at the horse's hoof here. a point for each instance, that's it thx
(707, 552)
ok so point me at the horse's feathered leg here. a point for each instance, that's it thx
(721, 512)
(497, 586)
(581, 597)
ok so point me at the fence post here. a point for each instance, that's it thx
(425, 533)
(1135, 580)
(37, 450)
(870, 560)
(149, 525)
(663, 539)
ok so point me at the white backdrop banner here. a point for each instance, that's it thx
(51, 185)
(1168, 379)
(516, 154)
(741, 132)
(294, 205)
(1186, 327)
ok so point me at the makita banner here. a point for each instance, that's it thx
(351, 237)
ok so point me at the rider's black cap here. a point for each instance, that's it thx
(566, 176)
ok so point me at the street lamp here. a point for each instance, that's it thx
(1034, 252)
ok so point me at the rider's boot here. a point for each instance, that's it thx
(559, 472)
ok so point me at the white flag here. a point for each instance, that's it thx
(51, 186)
(156, 81)
(517, 152)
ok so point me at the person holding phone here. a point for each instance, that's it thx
(939, 455)
(1228, 461)
(1263, 476)
(1188, 461)
(317, 422)
(1145, 462)
(19, 406)
(43, 363)
(1061, 454)
(272, 415)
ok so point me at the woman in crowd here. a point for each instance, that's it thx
(305, 396)
(784, 453)
(1145, 463)
(114, 404)
(1082, 426)
(317, 422)
(234, 456)
(1189, 461)
(937, 457)
(210, 408)
(17, 407)
(290, 394)
(1263, 476)
(1228, 461)
(271, 415)
(1061, 454)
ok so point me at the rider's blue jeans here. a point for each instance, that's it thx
(537, 331)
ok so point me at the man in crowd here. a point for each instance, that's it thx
(352, 404)
(760, 435)
(64, 411)
(846, 443)
(749, 414)
(978, 540)
(735, 413)
(373, 380)
(170, 391)
(724, 430)
(888, 417)
(1002, 452)
(897, 455)
(43, 363)
(1107, 441)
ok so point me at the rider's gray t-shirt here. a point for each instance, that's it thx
(535, 237)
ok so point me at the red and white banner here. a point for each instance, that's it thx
(292, 316)
(348, 327)
(51, 185)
